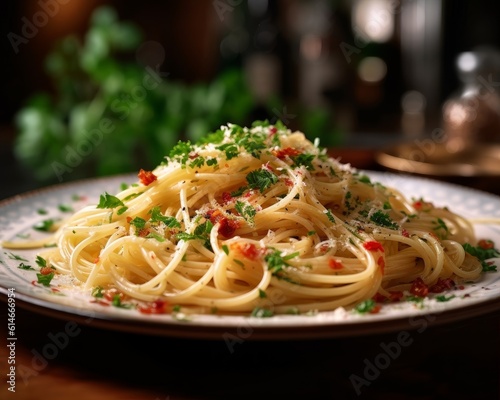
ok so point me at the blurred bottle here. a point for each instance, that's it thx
(472, 114)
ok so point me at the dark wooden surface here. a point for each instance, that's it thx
(62, 359)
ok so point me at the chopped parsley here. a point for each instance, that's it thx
(107, 200)
(117, 302)
(198, 162)
(365, 179)
(440, 228)
(225, 249)
(482, 255)
(97, 292)
(65, 208)
(276, 262)
(365, 306)
(180, 152)
(230, 150)
(25, 267)
(44, 226)
(303, 159)
(259, 312)
(262, 294)
(383, 219)
(261, 179)
(443, 298)
(42, 262)
(139, 223)
(157, 216)
(16, 257)
(211, 161)
(45, 279)
(157, 236)
(330, 216)
(201, 232)
(246, 211)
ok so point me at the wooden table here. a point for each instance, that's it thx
(64, 359)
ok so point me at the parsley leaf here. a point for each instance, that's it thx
(261, 179)
(201, 232)
(303, 159)
(45, 279)
(246, 211)
(180, 152)
(44, 226)
(16, 257)
(42, 262)
(65, 208)
(97, 292)
(276, 262)
(157, 216)
(230, 149)
(482, 254)
(383, 219)
(107, 200)
(365, 306)
(259, 312)
(442, 298)
(26, 267)
(139, 223)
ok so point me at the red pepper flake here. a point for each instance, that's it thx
(248, 250)
(486, 244)
(335, 264)
(379, 298)
(96, 260)
(192, 155)
(419, 288)
(54, 290)
(155, 307)
(393, 297)
(286, 152)
(396, 296)
(46, 270)
(227, 226)
(373, 246)
(100, 302)
(417, 205)
(461, 287)
(434, 235)
(129, 219)
(226, 198)
(442, 285)
(146, 177)
(272, 130)
(376, 309)
(381, 264)
(143, 232)
(288, 182)
(405, 233)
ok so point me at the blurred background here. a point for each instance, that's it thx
(96, 87)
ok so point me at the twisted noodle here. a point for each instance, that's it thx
(315, 236)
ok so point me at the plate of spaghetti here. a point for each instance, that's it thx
(253, 230)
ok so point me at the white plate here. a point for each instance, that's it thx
(20, 213)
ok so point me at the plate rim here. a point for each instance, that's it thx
(331, 329)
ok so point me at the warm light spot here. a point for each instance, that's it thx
(374, 19)
(372, 69)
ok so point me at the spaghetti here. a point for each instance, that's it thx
(260, 218)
